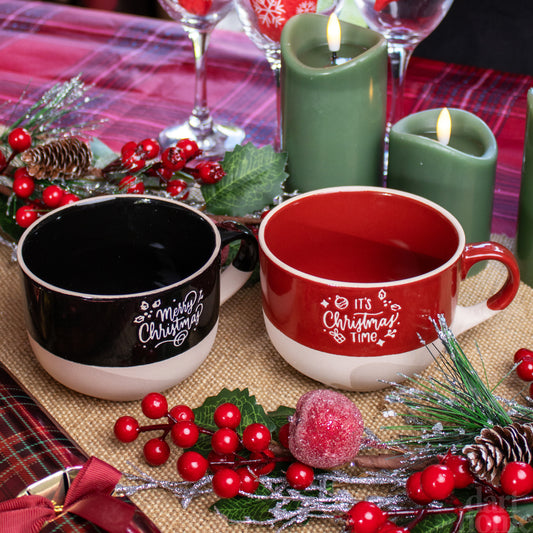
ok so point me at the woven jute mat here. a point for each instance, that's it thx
(241, 358)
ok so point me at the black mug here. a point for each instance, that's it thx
(123, 292)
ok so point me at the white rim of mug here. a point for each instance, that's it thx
(354, 188)
(106, 198)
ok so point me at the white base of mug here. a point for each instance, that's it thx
(124, 383)
(344, 372)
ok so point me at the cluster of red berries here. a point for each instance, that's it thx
(236, 461)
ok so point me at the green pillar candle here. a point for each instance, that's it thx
(459, 175)
(333, 115)
(524, 238)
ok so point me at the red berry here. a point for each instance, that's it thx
(226, 483)
(148, 148)
(413, 487)
(365, 517)
(521, 353)
(68, 198)
(184, 434)
(517, 479)
(173, 158)
(182, 413)
(210, 172)
(131, 185)
(126, 429)
(264, 467)
(227, 415)
(219, 461)
(154, 405)
(132, 161)
(156, 452)
(299, 476)
(157, 170)
(225, 441)
(525, 368)
(460, 467)
(23, 186)
(249, 481)
(283, 435)
(178, 188)
(256, 437)
(52, 195)
(128, 148)
(26, 216)
(437, 482)
(192, 466)
(19, 139)
(189, 147)
(492, 519)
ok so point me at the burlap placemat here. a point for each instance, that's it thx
(242, 358)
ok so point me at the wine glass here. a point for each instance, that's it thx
(404, 23)
(199, 18)
(263, 21)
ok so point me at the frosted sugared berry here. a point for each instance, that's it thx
(517, 479)
(492, 519)
(226, 483)
(413, 488)
(178, 188)
(256, 437)
(148, 148)
(263, 466)
(365, 517)
(437, 482)
(19, 139)
(525, 368)
(52, 195)
(26, 216)
(68, 198)
(326, 429)
(156, 452)
(182, 413)
(23, 186)
(283, 435)
(299, 476)
(126, 429)
(210, 172)
(192, 466)
(224, 441)
(154, 405)
(227, 415)
(460, 467)
(189, 147)
(184, 434)
(173, 158)
(249, 481)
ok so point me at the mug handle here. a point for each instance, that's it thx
(237, 274)
(468, 317)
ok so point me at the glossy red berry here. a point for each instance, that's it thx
(126, 429)
(148, 148)
(156, 452)
(178, 188)
(283, 435)
(131, 185)
(192, 466)
(128, 148)
(414, 490)
(52, 195)
(23, 186)
(226, 483)
(182, 413)
(19, 139)
(189, 147)
(263, 466)
(249, 481)
(299, 476)
(132, 161)
(227, 415)
(517, 479)
(256, 437)
(219, 461)
(173, 158)
(521, 354)
(184, 434)
(154, 405)
(492, 519)
(210, 172)
(26, 216)
(525, 368)
(225, 441)
(365, 517)
(68, 198)
(437, 482)
(460, 467)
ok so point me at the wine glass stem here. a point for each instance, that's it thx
(399, 55)
(278, 134)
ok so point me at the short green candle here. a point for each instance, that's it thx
(332, 115)
(524, 237)
(458, 176)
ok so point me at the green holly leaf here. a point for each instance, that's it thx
(254, 177)
(241, 508)
(281, 415)
(102, 154)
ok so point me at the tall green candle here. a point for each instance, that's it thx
(332, 112)
(458, 174)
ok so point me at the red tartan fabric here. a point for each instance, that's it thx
(142, 70)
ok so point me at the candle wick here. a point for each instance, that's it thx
(333, 58)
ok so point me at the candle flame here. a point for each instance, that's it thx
(334, 33)
(444, 127)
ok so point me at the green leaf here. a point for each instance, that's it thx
(281, 415)
(241, 508)
(254, 177)
(7, 221)
(442, 523)
(102, 154)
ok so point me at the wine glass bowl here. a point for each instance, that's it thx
(199, 18)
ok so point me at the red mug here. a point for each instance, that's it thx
(353, 277)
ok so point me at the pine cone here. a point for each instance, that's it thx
(497, 446)
(67, 157)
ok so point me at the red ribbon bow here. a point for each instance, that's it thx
(89, 496)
